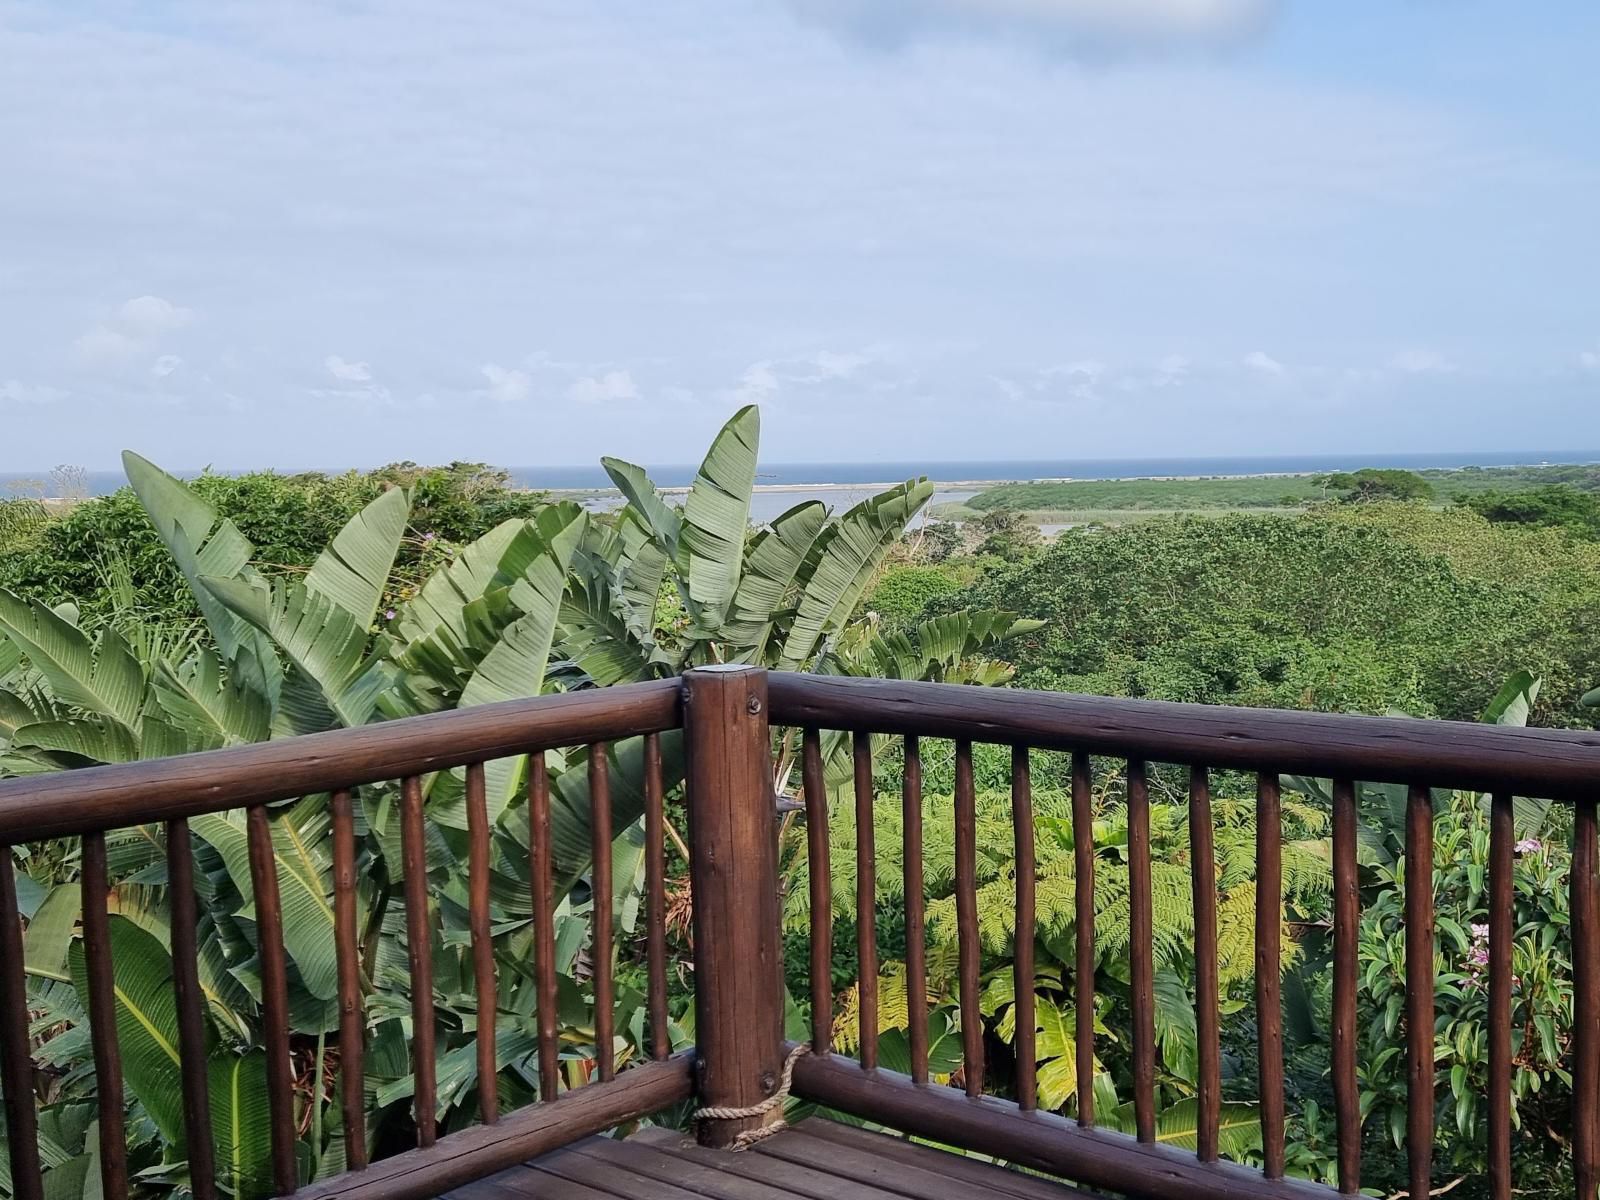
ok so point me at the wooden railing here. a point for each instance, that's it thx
(1504, 762)
(724, 715)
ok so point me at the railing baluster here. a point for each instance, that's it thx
(1203, 868)
(191, 1017)
(1022, 948)
(866, 902)
(1346, 936)
(1585, 1001)
(916, 933)
(1419, 989)
(483, 976)
(1141, 953)
(600, 877)
(1269, 967)
(347, 954)
(544, 927)
(1083, 933)
(16, 1062)
(103, 1019)
(821, 891)
(1502, 903)
(274, 997)
(655, 849)
(419, 955)
(968, 950)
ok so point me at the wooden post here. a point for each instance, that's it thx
(738, 957)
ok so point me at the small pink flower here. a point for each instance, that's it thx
(388, 614)
(1480, 933)
(1478, 956)
(1529, 846)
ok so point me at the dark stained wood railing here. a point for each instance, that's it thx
(90, 802)
(1559, 765)
(725, 714)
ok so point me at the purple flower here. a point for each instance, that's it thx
(429, 536)
(1529, 846)
(1478, 956)
(388, 614)
(1480, 933)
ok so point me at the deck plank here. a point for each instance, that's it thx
(816, 1159)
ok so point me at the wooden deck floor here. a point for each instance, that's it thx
(815, 1159)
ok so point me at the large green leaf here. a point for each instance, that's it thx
(300, 852)
(44, 947)
(354, 569)
(840, 566)
(241, 1123)
(438, 604)
(775, 558)
(570, 807)
(333, 683)
(1238, 1132)
(657, 515)
(199, 696)
(104, 680)
(716, 518)
(147, 1021)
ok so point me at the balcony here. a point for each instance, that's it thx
(740, 1068)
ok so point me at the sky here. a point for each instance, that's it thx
(316, 233)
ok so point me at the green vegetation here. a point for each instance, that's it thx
(1373, 483)
(176, 616)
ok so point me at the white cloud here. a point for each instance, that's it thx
(13, 391)
(1421, 362)
(1589, 360)
(133, 328)
(601, 389)
(165, 365)
(506, 384)
(147, 317)
(758, 382)
(349, 372)
(1100, 25)
(1258, 360)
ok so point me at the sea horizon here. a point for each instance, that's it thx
(867, 472)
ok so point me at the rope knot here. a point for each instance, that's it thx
(751, 1136)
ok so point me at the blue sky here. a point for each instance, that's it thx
(303, 233)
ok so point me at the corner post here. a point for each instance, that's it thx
(738, 957)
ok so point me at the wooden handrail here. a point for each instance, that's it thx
(1555, 764)
(97, 798)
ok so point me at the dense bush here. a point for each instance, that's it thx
(903, 592)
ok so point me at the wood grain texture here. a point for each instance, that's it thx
(1022, 942)
(192, 1063)
(274, 997)
(1346, 974)
(419, 956)
(347, 952)
(101, 979)
(1269, 967)
(1207, 1021)
(1556, 763)
(866, 900)
(1083, 933)
(969, 951)
(602, 944)
(655, 848)
(16, 1063)
(916, 910)
(819, 882)
(1141, 954)
(483, 973)
(542, 885)
(1419, 990)
(1038, 1140)
(72, 802)
(733, 867)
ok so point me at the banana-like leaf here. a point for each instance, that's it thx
(840, 565)
(776, 555)
(44, 947)
(354, 569)
(595, 631)
(439, 602)
(570, 808)
(104, 680)
(333, 683)
(241, 1124)
(300, 851)
(1238, 1132)
(641, 565)
(216, 707)
(1514, 701)
(79, 741)
(204, 544)
(941, 649)
(716, 518)
(15, 712)
(1591, 699)
(147, 1022)
(657, 515)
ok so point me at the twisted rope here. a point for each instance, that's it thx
(751, 1136)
